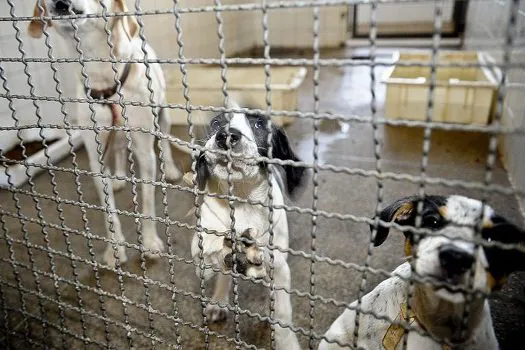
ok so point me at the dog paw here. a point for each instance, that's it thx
(172, 173)
(109, 257)
(118, 184)
(249, 258)
(216, 313)
(153, 246)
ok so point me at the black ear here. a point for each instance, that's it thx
(401, 212)
(503, 262)
(203, 173)
(282, 150)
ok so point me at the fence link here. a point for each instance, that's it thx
(83, 266)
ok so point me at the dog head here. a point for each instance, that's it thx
(123, 28)
(246, 136)
(450, 253)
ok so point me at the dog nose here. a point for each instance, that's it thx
(222, 137)
(63, 6)
(455, 261)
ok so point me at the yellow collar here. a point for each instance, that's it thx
(395, 332)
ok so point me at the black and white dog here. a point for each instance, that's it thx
(247, 138)
(447, 263)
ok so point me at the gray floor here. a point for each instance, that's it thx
(105, 310)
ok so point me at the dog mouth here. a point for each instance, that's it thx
(451, 284)
(64, 8)
(224, 162)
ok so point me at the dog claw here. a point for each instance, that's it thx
(109, 255)
(249, 258)
(154, 246)
(215, 313)
(118, 184)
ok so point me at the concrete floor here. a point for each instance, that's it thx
(453, 156)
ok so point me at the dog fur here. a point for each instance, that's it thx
(250, 182)
(92, 40)
(447, 257)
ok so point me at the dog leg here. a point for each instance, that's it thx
(120, 166)
(144, 151)
(105, 189)
(170, 168)
(285, 338)
(251, 260)
(221, 295)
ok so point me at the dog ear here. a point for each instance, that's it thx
(37, 25)
(125, 28)
(203, 172)
(281, 149)
(401, 212)
(502, 262)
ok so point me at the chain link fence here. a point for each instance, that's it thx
(55, 289)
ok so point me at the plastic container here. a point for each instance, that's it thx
(246, 85)
(464, 95)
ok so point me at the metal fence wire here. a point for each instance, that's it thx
(56, 291)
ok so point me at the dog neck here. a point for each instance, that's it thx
(93, 43)
(255, 189)
(444, 319)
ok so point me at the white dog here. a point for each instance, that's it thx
(444, 263)
(91, 37)
(246, 136)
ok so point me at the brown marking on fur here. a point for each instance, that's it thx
(129, 23)
(404, 211)
(37, 25)
(487, 223)
(443, 211)
(408, 247)
(495, 284)
(440, 318)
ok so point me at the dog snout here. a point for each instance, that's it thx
(222, 137)
(455, 261)
(63, 7)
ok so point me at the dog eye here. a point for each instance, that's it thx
(260, 123)
(432, 221)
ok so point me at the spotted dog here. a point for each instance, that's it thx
(446, 263)
(246, 135)
(90, 35)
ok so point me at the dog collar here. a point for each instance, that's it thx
(115, 111)
(395, 332)
(104, 94)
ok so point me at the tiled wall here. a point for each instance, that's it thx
(293, 28)
(290, 28)
(487, 23)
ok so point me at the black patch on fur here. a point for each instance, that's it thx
(203, 173)
(502, 262)
(281, 148)
(431, 218)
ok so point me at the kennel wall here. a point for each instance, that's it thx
(55, 292)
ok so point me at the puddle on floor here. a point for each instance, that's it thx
(330, 131)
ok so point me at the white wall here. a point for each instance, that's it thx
(290, 28)
(293, 28)
(486, 29)
(405, 13)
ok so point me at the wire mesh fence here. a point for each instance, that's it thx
(85, 266)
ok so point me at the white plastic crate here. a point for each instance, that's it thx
(463, 95)
(244, 84)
